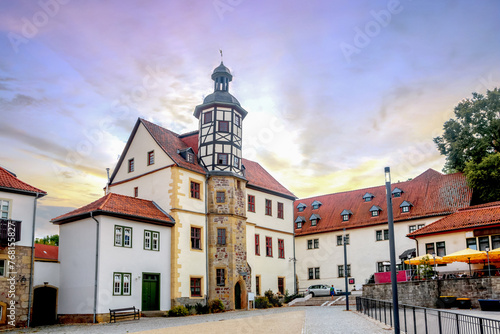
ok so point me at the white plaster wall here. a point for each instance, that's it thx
(260, 218)
(77, 246)
(139, 148)
(153, 187)
(46, 272)
(21, 208)
(135, 260)
(185, 200)
(363, 253)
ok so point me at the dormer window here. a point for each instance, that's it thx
(301, 207)
(375, 210)
(368, 197)
(346, 215)
(397, 192)
(405, 206)
(190, 157)
(316, 204)
(299, 221)
(314, 219)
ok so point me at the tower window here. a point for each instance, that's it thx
(223, 126)
(207, 117)
(222, 159)
(237, 120)
(221, 197)
(236, 162)
(221, 277)
(190, 157)
(221, 236)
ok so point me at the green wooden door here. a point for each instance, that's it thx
(150, 292)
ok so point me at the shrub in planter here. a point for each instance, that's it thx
(216, 306)
(178, 311)
(262, 302)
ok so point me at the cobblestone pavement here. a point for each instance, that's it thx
(289, 320)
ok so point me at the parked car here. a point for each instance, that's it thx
(318, 290)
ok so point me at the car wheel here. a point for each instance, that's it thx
(312, 294)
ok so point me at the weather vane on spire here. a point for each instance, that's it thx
(221, 58)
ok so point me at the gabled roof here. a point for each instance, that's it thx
(121, 206)
(46, 252)
(300, 219)
(431, 193)
(405, 203)
(473, 217)
(259, 178)
(375, 208)
(10, 182)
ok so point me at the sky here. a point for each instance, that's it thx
(335, 90)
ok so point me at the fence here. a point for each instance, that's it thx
(416, 320)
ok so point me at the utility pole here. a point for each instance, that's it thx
(345, 275)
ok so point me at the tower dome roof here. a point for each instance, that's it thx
(220, 96)
(222, 70)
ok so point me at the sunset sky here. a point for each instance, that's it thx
(335, 90)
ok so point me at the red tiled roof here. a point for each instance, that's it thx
(120, 205)
(431, 194)
(9, 181)
(170, 142)
(47, 252)
(472, 217)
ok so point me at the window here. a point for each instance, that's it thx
(347, 272)
(383, 267)
(281, 285)
(429, 249)
(374, 213)
(136, 191)
(122, 284)
(4, 209)
(221, 277)
(190, 157)
(316, 243)
(441, 249)
(237, 120)
(412, 228)
(314, 222)
(123, 236)
(195, 285)
(236, 162)
(223, 126)
(280, 210)
(195, 238)
(269, 209)
(483, 242)
(195, 190)
(301, 207)
(405, 209)
(368, 197)
(221, 197)
(257, 244)
(3, 268)
(151, 240)
(495, 241)
(131, 165)
(420, 226)
(151, 158)
(339, 240)
(313, 273)
(257, 285)
(207, 117)
(222, 159)
(316, 204)
(281, 248)
(309, 244)
(269, 246)
(221, 236)
(471, 243)
(313, 243)
(397, 192)
(382, 235)
(299, 224)
(251, 203)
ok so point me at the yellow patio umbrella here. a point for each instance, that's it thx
(495, 255)
(466, 255)
(420, 259)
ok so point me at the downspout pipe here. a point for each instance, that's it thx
(206, 240)
(96, 265)
(30, 293)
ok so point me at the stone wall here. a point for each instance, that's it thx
(15, 287)
(426, 293)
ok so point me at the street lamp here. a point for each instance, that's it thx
(345, 274)
(390, 220)
(434, 258)
(488, 255)
(409, 263)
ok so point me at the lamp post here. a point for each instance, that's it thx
(390, 220)
(488, 255)
(345, 274)
(409, 263)
(434, 258)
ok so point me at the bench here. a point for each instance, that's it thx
(126, 312)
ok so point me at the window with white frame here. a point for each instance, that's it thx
(123, 236)
(4, 209)
(382, 235)
(151, 240)
(313, 273)
(122, 284)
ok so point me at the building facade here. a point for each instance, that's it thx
(360, 215)
(18, 201)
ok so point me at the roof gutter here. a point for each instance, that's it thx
(96, 265)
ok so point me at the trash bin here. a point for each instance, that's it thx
(489, 304)
(464, 303)
(446, 301)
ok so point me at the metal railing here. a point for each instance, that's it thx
(415, 319)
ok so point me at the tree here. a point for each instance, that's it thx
(473, 134)
(484, 178)
(48, 240)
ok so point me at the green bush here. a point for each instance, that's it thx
(178, 311)
(216, 306)
(200, 308)
(272, 298)
(262, 302)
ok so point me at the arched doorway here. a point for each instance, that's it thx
(237, 296)
(44, 306)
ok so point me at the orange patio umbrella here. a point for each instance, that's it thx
(424, 258)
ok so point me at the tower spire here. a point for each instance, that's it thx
(221, 57)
